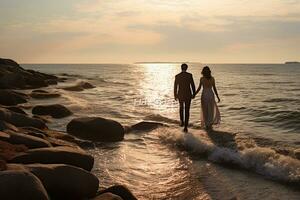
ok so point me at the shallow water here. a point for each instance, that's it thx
(259, 108)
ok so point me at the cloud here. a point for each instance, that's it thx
(153, 29)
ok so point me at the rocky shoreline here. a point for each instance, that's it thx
(37, 163)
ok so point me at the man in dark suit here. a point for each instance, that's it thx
(184, 90)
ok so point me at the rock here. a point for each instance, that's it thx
(55, 110)
(56, 138)
(145, 126)
(96, 129)
(2, 165)
(12, 76)
(23, 185)
(31, 131)
(28, 140)
(51, 82)
(86, 85)
(4, 136)
(107, 196)
(12, 98)
(57, 142)
(7, 126)
(60, 135)
(42, 94)
(56, 155)
(16, 110)
(79, 86)
(9, 151)
(9, 62)
(36, 79)
(44, 118)
(120, 191)
(20, 120)
(65, 181)
(29, 128)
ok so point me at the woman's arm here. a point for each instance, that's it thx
(199, 87)
(215, 90)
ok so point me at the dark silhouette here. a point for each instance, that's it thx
(184, 91)
(210, 113)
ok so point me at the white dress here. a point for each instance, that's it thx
(210, 114)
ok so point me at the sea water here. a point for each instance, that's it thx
(251, 155)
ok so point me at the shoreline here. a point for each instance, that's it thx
(48, 162)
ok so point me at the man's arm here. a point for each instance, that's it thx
(199, 88)
(193, 86)
(175, 89)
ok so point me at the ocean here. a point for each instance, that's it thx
(252, 154)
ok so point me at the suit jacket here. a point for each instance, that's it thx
(184, 86)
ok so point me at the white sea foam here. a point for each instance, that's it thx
(264, 161)
(75, 102)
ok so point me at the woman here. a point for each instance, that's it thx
(210, 112)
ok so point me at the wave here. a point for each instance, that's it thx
(261, 160)
(237, 108)
(229, 94)
(285, 119)
(279, 82)
(105, 81)
(74, 102)
(278, 100)
(71, 75)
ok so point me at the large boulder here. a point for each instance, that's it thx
(9, 62)
(121, 191)
(20, 120)
(96, 129)
(42, 94)
(55, 110)
(56, 155)
(13, 76)
(23, 185)
(28, 140)
(12, 98)
(79, 86)
(65, 181)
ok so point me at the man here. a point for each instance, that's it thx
(184, 91)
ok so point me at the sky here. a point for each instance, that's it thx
(128, 31)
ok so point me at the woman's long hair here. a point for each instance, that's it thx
(206, 72)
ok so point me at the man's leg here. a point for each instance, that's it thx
(181, 112)
(187, 113)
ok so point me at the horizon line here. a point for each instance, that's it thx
(94, 63)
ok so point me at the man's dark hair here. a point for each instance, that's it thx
(184, 66)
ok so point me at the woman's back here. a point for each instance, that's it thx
(207, 83)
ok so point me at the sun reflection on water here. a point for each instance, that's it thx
(157, 86)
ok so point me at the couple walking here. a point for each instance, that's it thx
(185, 91)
